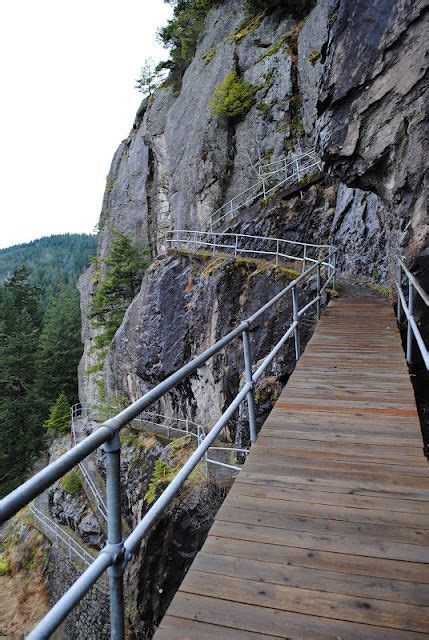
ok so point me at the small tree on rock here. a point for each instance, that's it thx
(149, 78)
(58, 422)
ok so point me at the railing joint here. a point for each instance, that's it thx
(113, 443)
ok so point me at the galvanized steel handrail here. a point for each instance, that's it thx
(100, 504)
(289, 169)
(408, 308)
(118, 552)
(266, 246)
(56, 533)
(198, 433)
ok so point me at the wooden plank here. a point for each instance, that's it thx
(324, 542)
(331, 512)
(324, 604)
(173, 628)
(314, 559)
(321, 580)
(293, 522)
(334, 496)
(277, 623)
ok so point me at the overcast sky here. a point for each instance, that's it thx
(67, 83)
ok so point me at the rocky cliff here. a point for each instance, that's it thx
(180, 161)
(344, 75)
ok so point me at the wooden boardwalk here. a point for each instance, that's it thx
(325, 533)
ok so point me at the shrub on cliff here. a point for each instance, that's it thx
(59, 416)
(72, 484)
(233, 97)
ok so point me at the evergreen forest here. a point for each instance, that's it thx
(40, 344)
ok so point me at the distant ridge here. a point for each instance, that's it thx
(50, 259)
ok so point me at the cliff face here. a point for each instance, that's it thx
(371, 113)
(344, 75)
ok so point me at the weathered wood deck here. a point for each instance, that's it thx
(325, 533)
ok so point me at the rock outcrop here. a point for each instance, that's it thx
(371, 113)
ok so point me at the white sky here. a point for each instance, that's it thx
(68, 70)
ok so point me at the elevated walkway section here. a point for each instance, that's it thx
(325, 533)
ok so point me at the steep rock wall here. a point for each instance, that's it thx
(185, 304)
(371, 109)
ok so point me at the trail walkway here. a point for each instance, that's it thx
(325, 533)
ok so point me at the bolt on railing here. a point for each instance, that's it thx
(118, 552)
(408, 308)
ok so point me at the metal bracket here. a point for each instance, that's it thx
(113, 444)
(117, 552)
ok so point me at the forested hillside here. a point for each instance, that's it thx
(40, 343)
(51, 260)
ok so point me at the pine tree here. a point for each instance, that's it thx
(20, 424)
(60, 348)
(59, 416)
(123, 271)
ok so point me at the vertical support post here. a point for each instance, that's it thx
(318, 291)
(399, 304)
(263, 188)
(236, 245)
(115, 546)
(305, 258)
(277, 253)
(231, 213)
(409, 329)
(334, 270)
(248, 375)
(296, 319)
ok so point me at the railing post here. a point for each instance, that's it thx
(236, 245)
(399, 304)
(277, 253)
(296, 319)
(410, 315)
(263, 188)
(112, 449)
(248, 375)
(318, 291)
(305, 257)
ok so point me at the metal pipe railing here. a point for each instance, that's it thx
(408, 308)
(240, 243)
(300, 163)
(117, 552)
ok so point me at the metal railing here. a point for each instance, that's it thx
(118, 552)
(256, 246)
(77, 412)
(63, 540)
(272, 176)
(408, 308)
(187, 428)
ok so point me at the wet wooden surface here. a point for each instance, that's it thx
(325, 533)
